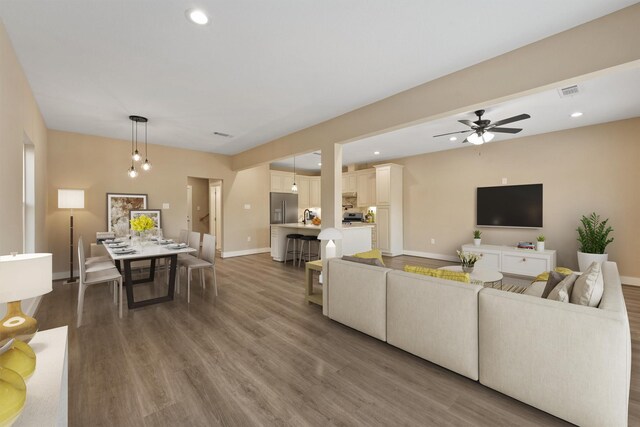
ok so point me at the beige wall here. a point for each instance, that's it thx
(20, 119)
(593, 168)
(98, 165)
(199, 198)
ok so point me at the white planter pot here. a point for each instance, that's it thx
(585, 259)
(540, 246)
(477, 242)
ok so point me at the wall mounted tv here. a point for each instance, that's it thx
(509, 206)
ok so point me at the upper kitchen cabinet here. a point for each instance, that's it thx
(314, 191)
(303, 191)
(281, 182)
(366, 188)
(349, 182)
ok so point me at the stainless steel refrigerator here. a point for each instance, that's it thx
(284, 208)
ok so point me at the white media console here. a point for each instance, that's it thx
(511, 260)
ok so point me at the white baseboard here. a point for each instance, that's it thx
(442, 257)
(632, 281)
(64, 275)
(231, 254)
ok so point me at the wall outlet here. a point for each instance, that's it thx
(197, 208)
(433, 241)
(248, 238)
(504, 181)
(165, 206)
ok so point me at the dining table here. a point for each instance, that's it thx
(126, 251)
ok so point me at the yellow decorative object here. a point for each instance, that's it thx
(17, 324)
(544, 276)
(13, 394)
(19, 358)
(373, 253)
(457, 276)
(142, 223)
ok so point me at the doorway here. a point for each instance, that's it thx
(204, 207)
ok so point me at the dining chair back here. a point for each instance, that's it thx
(194, 242)
(102, 275)
(184, 236)
(207, 260)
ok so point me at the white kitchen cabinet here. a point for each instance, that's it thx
(303, 183)
(315, 195)
(366, 188)
(281, 182)
(275, 244)
(389, 209)
(511, 260)
(349, 182)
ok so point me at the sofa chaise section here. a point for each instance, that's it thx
(435, 319)
(359, 297)
(568, 360)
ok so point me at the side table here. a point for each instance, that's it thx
(310, 296)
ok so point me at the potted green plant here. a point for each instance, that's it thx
(476, 237)
(593, 239)
(540, 243)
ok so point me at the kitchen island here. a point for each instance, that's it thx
(355, 237)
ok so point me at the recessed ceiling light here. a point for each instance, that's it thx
(319, 164)
(453, 138)
(197, 16)
(576, 114)
(376, 153)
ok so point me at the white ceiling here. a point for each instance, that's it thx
(260, 69)
(610, 97)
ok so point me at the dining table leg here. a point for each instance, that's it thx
(129, 282)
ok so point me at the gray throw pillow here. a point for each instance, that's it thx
(369, 261)
(554, 279)
(562, 291)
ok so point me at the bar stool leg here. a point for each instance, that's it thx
(286, 251)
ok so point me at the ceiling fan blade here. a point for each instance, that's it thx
(505, 130)
(510, 120)
(451, 133)
(468, 123)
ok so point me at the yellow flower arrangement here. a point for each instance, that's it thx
(142, 223)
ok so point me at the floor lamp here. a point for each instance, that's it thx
(70, 199)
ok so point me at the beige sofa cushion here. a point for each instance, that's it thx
(588, 288)
(562, 291)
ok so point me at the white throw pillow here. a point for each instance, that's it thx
(589, 287)
(562, 291)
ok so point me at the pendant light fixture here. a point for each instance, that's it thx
(135, 154)
(294, 187)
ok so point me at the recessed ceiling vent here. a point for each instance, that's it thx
(569, 91)
(222, 134)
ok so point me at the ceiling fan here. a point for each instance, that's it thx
(481, 127)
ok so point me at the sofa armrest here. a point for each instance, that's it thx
(356, 296)
(569, 360)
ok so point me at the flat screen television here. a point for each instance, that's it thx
(509, 206)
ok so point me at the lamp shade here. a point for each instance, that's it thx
(70, 199)
(330, 234)
(24, 276)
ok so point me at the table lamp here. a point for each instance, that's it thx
(70, 199)
(330, 234)
(21, 277)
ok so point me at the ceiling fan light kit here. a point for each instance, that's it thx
(481, 127)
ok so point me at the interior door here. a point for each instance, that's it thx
(189, 207)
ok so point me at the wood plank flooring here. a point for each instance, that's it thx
(258, 354)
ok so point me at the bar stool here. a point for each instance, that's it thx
(309, 240)
(294, 253)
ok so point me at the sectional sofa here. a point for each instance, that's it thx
(568, 360)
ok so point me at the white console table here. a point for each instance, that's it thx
(47, 389)
(511, 260)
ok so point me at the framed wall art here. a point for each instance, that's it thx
(118, 207)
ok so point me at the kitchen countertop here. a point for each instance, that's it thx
(318, 227)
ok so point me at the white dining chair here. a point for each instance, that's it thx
(193, 240)
(110, 275)
(183, 237)
(207, 260)
(96, 263)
